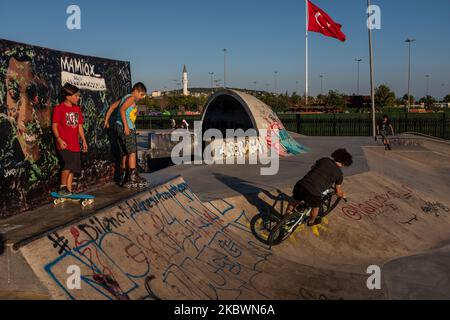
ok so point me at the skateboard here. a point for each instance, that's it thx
(85, 199)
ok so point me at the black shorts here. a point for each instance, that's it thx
(71, 161)
(300, 193)
(127, 144)
(385, 133)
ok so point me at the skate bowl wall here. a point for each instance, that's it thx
(30, 84)
(232, 109)
(166, 243)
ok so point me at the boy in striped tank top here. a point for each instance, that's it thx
(125, 133)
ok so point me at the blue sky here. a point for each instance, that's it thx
(261, 36)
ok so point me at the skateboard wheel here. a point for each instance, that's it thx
(56, 201)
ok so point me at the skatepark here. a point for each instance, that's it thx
(189, 235)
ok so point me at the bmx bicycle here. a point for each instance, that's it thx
(300, 215)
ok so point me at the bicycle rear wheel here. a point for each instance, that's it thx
(284, 228)
(261, 227)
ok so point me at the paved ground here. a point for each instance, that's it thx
(190, 238)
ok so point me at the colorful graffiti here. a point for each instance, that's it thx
(384, 203)
(376, 205)
(165, 243)
(30, 83)
(286, 144)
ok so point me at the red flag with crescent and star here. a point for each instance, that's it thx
(320, 21)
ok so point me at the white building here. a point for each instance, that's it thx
(185, 82)
(156, 94)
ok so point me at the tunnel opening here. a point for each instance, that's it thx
(226, 112)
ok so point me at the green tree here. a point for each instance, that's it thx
(384, 96)
(295, 99)
(405, 99)
(335, 99)
(428, 101)
(447, 98)
(320, 99)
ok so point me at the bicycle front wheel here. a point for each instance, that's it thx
(328, 206)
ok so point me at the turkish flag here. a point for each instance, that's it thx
(320, 21)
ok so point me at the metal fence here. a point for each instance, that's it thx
(437, 124)
(163, 122)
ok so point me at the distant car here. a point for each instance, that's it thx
(155, 114)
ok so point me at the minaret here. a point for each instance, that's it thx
(185, 82)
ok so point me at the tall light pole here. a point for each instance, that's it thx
(372, 76)
(225, 68)
(357, 86)
(296, 87)
(212, 80)
(276, 82)
(255, 82)
(175, 86)
(409, 42)
(321, 84)
(276, 89)
(428, 85)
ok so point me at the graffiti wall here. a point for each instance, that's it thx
(162, 244)
(30, 83)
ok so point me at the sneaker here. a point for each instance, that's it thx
(132, 181)
(63, 191)
(389, 147)
(142, 180)
(122, 177)
(316, 222)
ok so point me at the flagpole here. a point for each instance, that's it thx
(372, 80)
(306, 55)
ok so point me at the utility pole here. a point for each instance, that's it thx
(212, 80)
(225, 68)
(357, 81)
(409, 42)
(372, 76)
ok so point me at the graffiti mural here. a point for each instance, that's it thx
(30, 84)
(162, 244)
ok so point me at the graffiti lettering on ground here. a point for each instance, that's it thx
(377, 205)
(388, 203)
(164, 243)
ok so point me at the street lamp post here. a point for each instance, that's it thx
(212, 80)
(409, 42)
(357, 86)
(372, 71)
(225, 68)
(255, 82)
(175, 89)
(276, 81)
(428, 85)
(276, 89)
(321, 84)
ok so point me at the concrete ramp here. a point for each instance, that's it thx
(167, 244)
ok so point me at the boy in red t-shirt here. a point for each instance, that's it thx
(67, 125)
